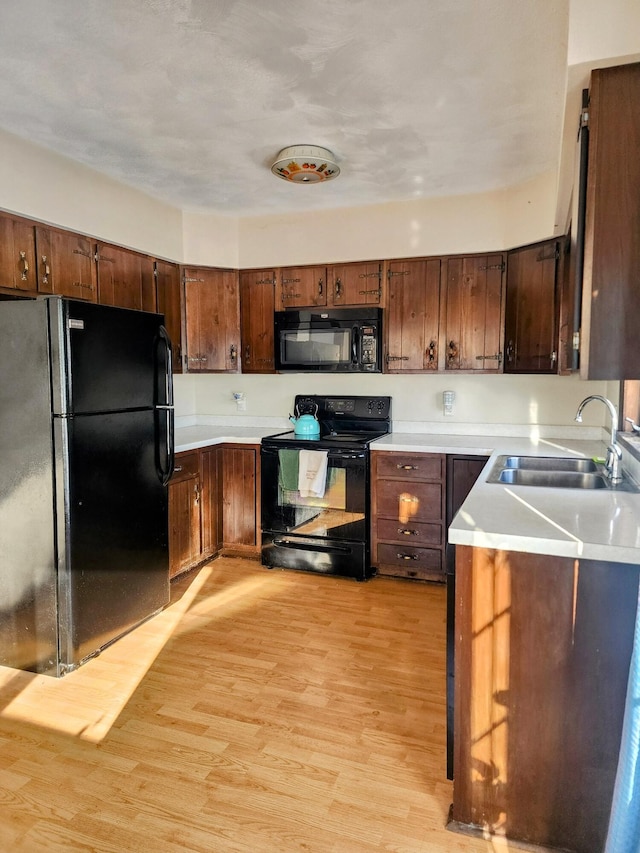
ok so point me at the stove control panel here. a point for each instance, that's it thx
(355, 408)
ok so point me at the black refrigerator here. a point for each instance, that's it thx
(86, 451)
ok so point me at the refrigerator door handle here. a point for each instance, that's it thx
(166, 460)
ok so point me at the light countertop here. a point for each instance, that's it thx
(597, 525)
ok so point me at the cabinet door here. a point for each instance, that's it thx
(17, 254)
(184, 514)
(125, 278)
(257, 306)
(210, 508)
(66, 264)
(413, 315)
(531, 313)
(239, 507)
(303, 287)
(212, 312)
(610, 344)
(355, 284)
(473, 289)
(167, 278)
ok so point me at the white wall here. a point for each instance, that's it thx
(488, 399)
(43, 185)
(211, 240)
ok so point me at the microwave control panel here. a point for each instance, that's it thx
(369, 347)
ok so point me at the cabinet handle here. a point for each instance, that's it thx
(25, 265)
(553, 357)
(509, 352)
(497, 357)
(47, 270)
(233, 353)
(431, 352)
(452, 351)
(177, 469)
(407, 467)
(404, 531)
(320, 286)
(247, 353)
(338, 288)
(196, 490)
(407, 556)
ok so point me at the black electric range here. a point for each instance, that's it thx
(325, 530)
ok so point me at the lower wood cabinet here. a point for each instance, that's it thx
(408, 492)
(214, 505)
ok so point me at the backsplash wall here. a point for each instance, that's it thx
(417, 399)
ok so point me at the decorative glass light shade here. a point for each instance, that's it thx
(305, 164)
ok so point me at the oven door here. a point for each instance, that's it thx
(325, 532)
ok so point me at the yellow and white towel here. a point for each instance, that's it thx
(312, 473)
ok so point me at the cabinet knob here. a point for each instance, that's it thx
(405, 531)
(25, 265)
(407, 467)
(431, 352)
(338, 287)
(452, 351)
(407, 556)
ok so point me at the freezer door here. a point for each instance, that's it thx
(106, 359)
(114, 569)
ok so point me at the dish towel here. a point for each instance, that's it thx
(312, 473)
(288, 470)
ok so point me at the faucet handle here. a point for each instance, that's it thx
(634, 426)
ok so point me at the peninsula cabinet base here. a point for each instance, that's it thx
(542, 654)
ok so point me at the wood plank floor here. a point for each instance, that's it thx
(262, 712)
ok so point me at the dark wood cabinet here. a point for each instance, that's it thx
(212, 320)
(168, 302)
(408, 514)
(413, 315)
(257, 306)
(302, 287)
(610, 344)
(66, 264)
(355, 284)
(210, 506)
(541, 683)
(18, 268)
(240, 498)
(472, 317)
(125, 278)
(532, 308)
(185, 543)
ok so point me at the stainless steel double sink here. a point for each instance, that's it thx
(555, 472)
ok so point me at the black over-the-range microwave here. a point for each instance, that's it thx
(334, 340)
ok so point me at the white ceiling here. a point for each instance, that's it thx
(191, 100)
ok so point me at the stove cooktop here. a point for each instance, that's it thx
(330, 440)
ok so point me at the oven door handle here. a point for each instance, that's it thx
(308, 546)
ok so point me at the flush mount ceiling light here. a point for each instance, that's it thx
(305, 164)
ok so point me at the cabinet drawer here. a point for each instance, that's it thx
(406, 561)
(410, 466)
(404, 502)
(412, 533)
(186, 465)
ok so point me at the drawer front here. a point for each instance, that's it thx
(412, 533)
(411, 466)
(404, 502)
(186, 465)
(403, 561)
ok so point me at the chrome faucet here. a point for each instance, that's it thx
(614, 454)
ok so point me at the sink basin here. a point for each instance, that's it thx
(548, 463)
(555, 472)
(552, 479)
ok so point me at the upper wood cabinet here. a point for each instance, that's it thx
(125, 278)
(66, 264)
(257, 306)
(610, 344)
(302, 287)
(18, 270)
(413, 315)
(472, 324)
(531, 314)
(355, 284)
(212, 320)
(167, 276)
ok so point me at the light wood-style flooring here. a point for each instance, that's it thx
(262, 712)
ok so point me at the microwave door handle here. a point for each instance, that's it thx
(355, 345)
